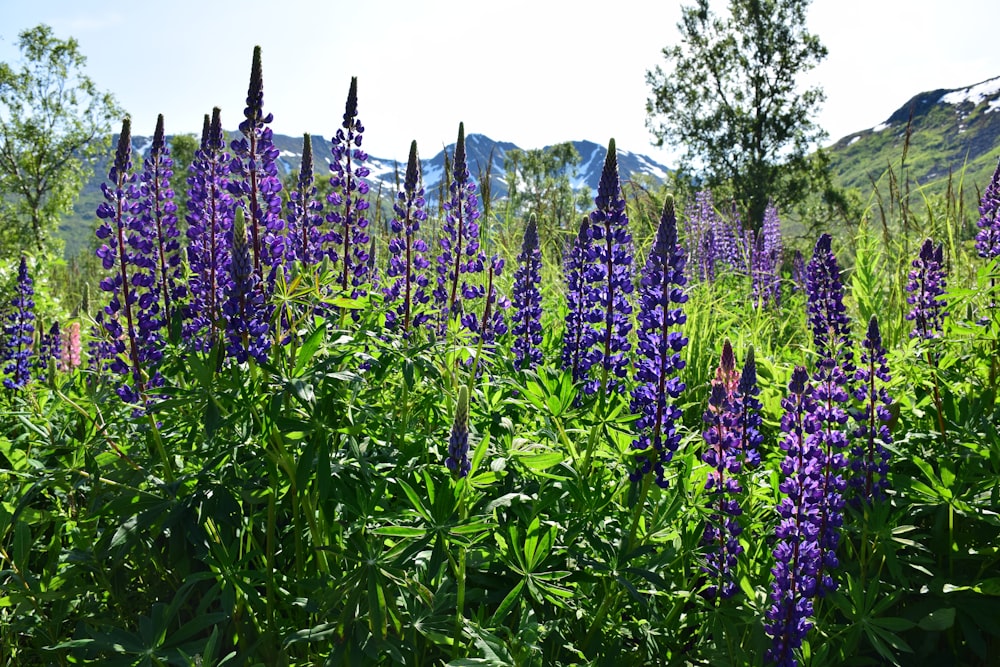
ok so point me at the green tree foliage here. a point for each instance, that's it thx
(730, 100)
(182, 149)
(538, 185)
(53, 123)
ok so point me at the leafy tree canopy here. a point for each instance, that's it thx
(53, 123)
(729, 98)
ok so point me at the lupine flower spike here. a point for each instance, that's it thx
(796, 552)
(660, 342)
(869, 456)
(246, 309)
(254, 178)
(407, 294)
(19, 331)
(209, 226)
(722, 437)
(613, 283)
(527, 328)
(580, 337)
(157, 212)
(926, 289)
(458, 442)
(460, 257)
(988, 237)
(132, 322)
(348, 236)
(304, 234)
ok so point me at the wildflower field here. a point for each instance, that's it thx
(282, 433)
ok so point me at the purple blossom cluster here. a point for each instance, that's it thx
(19, 331)
(461, 262)
(254, 181)
(765, 260)
(304, 236)
(158, 216)
(134, 322)
(210, 220)
(660, 342)
(797, 553)
(491, 323)
(869, 454)
(348, 236)
(926, 289)
(827, 314)
(527, 301)
(611, 282)
(988, 237)
(457, 460)
(407, 294)
(246, 307)
(579, 351)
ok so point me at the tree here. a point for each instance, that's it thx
(53, 123)
(731, 102)
(538, 185)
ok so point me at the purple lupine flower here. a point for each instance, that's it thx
(254, 179)
(659, 344)
(158, 217)
(304, 234)
(457, 460)
(722, 530)
(133, 323)
(766, 260)
(19, 331)
(613, 283)
(210, 221)
(988, 237)
(728, 241)
(825, 304)
(246, 309)
(491, 324)
(701, 222)
(407, 295)
(926, 289)
(749, 409)
(580, 337)
(870, 456)
(796, 552)
(349, 233)
(527, 328)
(460, 257)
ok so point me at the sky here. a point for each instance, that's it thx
(532, 72)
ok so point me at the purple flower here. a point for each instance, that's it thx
(612, 282)
(50, 351)
(765, 260)
(457, 460)
(796, 552)
(580, 337)
(246, 309)
(407, 296)
(492, 323)
(254, 178)
(825, 304)
(988, 237)
(210, 223)
(699, 234)
(134, 323)
(527, 328)
(926, 289)
(157, 216)
(19, 331)
(460, 258)
(869, 456)
(349, 236)
(304, 234)
(659, 344)
(722, 454)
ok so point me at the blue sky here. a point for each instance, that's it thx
(534, 72)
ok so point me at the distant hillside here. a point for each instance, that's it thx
(952, 132)
(77, 228)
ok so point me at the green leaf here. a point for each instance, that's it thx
(539, 462)
(938, 620)
(507, 603)
(309, 347)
